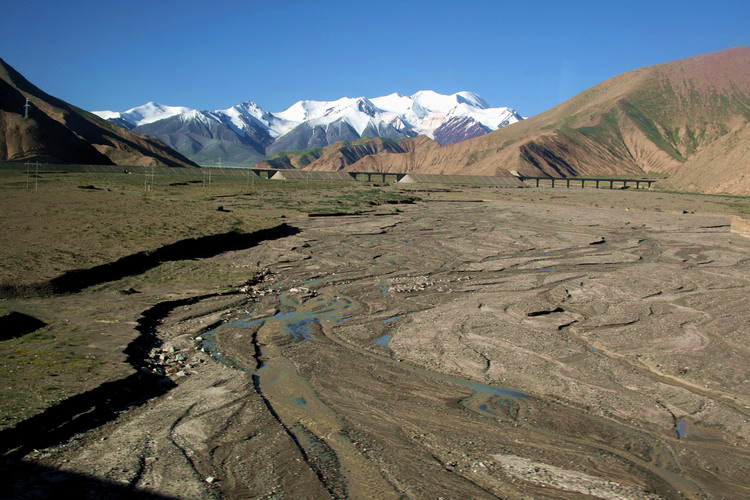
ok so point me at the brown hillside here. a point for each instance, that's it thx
(374, 155)
(39, 137)
(657, 118)
(60, 132)
(722, 167)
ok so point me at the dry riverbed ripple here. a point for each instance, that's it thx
(454, 350)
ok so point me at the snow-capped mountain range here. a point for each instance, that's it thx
(247, 133)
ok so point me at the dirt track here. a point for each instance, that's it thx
(453, 350)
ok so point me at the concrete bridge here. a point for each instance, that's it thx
(623, 183)
(267, 173)
(386, 177)
(377, 176)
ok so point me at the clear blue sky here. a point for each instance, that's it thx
(212, 54)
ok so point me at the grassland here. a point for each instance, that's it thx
(79, 220)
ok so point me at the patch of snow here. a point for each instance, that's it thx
(108, 115)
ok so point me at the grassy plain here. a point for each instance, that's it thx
(79, 220)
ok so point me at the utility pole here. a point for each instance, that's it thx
(26, 109)
(148, 186)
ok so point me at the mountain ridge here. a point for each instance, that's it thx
(246, 133)
(57, 131)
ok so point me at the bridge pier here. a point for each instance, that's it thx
(599, 183)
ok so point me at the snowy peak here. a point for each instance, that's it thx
(472, 99)
(421, 113)
(395, 103)
(309, 124)
(141, 115)
(249, 113)
(366, 106)
(435, 102)
(303, 111)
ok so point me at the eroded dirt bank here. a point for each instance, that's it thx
(452, 350)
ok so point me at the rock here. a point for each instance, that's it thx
(210, 479)
(181, 374)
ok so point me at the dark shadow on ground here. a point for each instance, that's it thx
(81, 413)
(16, 324)
(22, 480)
(138, 263)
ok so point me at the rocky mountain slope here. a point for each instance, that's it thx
(60, 132)
(246, 133)
(687, 118)
(208, 138)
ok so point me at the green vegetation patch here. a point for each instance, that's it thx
(295, 159)
(607, 131)
(649, 128)
(74, 221)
